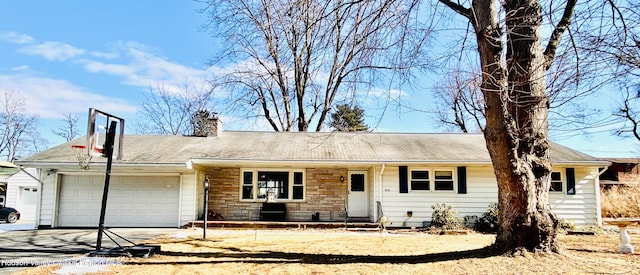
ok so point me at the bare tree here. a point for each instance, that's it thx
(460, 104)
(629, 113)
(617, 47)
(513, 64)
(292, 59)
(168, 111)
(461, 107)
(19, 134)
(70, 130)
(574, 74)
(200, 122)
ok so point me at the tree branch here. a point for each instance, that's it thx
(466, 12)
(556, 35)
(626, 112)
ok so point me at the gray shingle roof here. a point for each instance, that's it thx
(238, 146)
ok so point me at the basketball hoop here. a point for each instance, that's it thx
(83, 157)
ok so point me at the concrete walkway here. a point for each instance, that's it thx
(20, 225)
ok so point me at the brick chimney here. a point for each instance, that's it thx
(214, 126)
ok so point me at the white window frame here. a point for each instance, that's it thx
(254, 184)
(432, 178)
(453, 179)
(562, 180)
(428, 180)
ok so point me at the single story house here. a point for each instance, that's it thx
(314, 176)
(622, 171)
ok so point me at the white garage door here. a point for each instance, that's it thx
(134, 201)
(27, 199)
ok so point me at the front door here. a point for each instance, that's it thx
(358, 199)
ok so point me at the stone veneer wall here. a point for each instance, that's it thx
(325, 194)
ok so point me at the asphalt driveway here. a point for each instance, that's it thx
(36, 247)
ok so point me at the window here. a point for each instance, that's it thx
(298, 186)
(556, 182)
(443, 180)
(247, 185)
(285, 185)
(357, 182)
(419, 180)
(277, 182)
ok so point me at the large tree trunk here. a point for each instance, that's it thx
(516, 124)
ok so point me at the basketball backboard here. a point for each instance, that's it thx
(97, 127)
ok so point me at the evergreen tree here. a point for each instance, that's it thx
(348, 119)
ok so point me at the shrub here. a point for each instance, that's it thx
(445, 217)
(567, 224)
(621, 201)
(488, 222)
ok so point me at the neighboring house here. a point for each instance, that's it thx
(318, 176)
(19, 189)
(22, 193)
(621, 171)
(6, 170)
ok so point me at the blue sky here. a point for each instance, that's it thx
(67, 56)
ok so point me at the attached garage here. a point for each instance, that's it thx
(133, 201)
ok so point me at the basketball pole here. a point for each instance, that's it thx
(108, 152)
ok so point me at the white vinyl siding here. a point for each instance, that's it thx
(581, 208)
(188, 200)
(481, 192)
(48, 193)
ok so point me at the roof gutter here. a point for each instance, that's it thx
(205, 161)
(39, 164)
(584, 163)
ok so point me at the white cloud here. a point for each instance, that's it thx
(20, 68)
(114, 69)
(104, 55)
(53, 50)
(145, 68)
(16, 38)
(392, 93)
(51, 98)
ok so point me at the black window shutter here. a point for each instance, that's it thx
(571, 181)
(462, 180)
(404, 179)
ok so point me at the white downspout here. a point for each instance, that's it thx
(596, 181)
(381, 190)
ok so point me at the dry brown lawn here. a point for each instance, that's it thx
(296, 251)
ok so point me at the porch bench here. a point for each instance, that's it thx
(273, 211)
